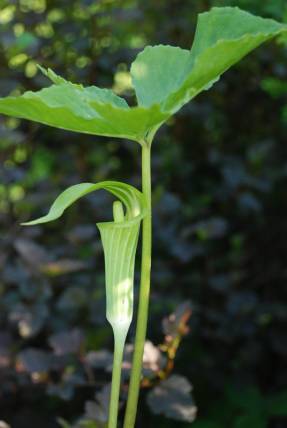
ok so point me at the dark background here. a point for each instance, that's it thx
(220, 205)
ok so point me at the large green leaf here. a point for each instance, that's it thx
(164, 78)
(90, 110)
(171, 76)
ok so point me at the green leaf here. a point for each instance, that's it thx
(164, 77)
(131, 197)
(90, 93)
(157, 72)
(89, 110)
(50, 74)
(171, 76)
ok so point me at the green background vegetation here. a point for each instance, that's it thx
(219, 182)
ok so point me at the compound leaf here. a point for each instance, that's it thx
(164, 78)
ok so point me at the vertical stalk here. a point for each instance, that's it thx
(119, 341)
(142, 318)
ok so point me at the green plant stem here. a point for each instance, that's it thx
(142, 318)
(119, 340)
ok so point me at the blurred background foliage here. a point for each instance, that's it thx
(220, 206)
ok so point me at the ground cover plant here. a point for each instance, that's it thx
(100, 112)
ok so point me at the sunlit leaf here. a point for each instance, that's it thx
(164, 78)
(157, 72)
(130, 197)
(172, 76)
(90, 110)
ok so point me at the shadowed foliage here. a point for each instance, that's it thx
(219, 181)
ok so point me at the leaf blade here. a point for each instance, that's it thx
(129, 195)
(89, 110)
(173, 399)
(214, 53)
(158, 65)
(223, 37)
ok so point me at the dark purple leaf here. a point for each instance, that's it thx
(34, 361)
(172, 323)
(67, 342)
(172, 399)
(102, 359)
(98, 410)
(66, 388)
(29, 319)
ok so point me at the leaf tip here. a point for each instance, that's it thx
(28, 223)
